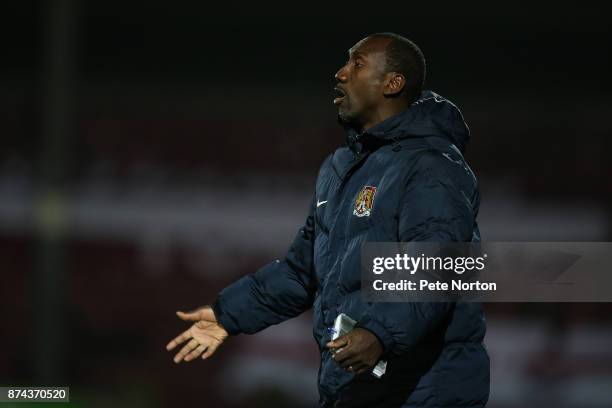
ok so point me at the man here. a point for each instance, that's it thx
(401, 177)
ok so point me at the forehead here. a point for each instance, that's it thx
(369, 46)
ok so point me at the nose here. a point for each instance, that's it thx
(341, 74)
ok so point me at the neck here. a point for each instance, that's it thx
(384, 112)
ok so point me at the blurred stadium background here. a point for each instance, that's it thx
(152, 153)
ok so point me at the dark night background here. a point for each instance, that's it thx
(152, 153)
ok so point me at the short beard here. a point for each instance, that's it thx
(347, 120)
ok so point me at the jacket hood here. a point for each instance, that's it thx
(430, 115)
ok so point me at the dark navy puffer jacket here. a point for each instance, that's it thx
(423, 191)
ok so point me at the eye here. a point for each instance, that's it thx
(358, 63)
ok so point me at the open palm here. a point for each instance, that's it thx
(204, 336)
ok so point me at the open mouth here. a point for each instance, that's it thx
(339, 95)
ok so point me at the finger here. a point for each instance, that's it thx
(185, 350)
(360, 369)
(354, 361)
(186, 335)
(354, 369)
(195, 353)
(339, 342)
(343, 355)
(211, 349)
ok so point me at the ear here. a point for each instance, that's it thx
(394, 83)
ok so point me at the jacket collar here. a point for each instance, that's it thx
(430, 115)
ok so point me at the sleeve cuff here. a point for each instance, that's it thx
(385, 338)
(224, 320)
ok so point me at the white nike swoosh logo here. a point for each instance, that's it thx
(320, 203)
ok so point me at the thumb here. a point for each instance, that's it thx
(205, 313)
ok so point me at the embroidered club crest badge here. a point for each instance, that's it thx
(364, 201)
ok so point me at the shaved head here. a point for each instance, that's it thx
(384, 74)
(405, 57)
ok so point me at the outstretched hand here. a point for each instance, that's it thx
(204, 336)
(357, 351)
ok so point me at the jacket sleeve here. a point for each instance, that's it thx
(278, 291)
(433, 209)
